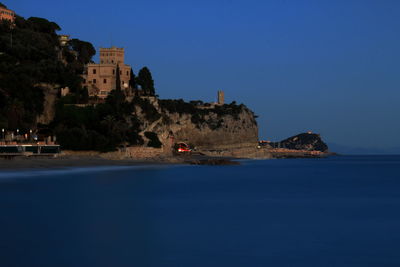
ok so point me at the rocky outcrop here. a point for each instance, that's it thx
(304, 141)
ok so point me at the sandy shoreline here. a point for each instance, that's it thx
(19, 163)
(71, 161)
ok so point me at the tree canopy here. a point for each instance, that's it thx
(146, 82)
(85, 50)
(43, 25)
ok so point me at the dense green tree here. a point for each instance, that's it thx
(132, 83)
(43, 25)
(85, 50)
(116, 100)
(95, 127)
(146, 82)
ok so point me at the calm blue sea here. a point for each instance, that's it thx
(339, 211)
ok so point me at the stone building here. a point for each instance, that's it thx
(220, 98)
(64, 39)
(7, 14)
(100, 79)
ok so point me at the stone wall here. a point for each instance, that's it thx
(50, 98)
(144, 152)
(135, 152)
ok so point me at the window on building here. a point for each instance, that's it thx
(120, 72)
(94, 80)
(113, 71)
(105, 81)
(127, 73)
(94, 71)
(84, 80)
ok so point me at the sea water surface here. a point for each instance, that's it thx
(339, 211)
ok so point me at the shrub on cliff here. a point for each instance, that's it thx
(177, 106)
(150, 112)
(153, 140)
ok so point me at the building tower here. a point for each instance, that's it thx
(113, 55)
(221, 98)
(100, 79)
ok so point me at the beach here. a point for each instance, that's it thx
(19, 163)
(70, 161)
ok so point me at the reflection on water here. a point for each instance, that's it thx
(330, 212)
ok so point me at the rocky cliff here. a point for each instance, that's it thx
(205, 126)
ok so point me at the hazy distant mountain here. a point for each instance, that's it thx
(342, 149)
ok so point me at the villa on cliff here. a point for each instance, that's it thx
(7, 14)
(100, 79)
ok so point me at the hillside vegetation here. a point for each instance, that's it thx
(31, 58)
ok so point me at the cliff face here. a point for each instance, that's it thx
(203, 126)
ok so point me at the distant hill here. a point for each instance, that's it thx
(303, 141)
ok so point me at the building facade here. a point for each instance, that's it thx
(220, 98)
(100, 79)
(64, 39)
(7, 14)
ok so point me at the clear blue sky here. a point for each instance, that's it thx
(327, 66)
